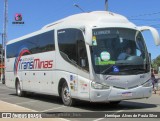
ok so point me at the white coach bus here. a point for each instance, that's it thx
(98, 57)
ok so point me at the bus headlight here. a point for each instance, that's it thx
(147, 84)
(96, 85)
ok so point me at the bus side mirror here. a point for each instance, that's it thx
(153, 31)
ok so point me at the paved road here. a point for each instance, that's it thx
(44, 103)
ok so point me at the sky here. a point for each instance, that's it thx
(38, 13)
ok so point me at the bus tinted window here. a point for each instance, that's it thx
(37, 44)
(72, 46)
(67, 41)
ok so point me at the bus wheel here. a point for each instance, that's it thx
(66, 96)
(19, 91)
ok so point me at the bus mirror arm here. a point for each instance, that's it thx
(153, 31)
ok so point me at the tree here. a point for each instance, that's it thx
(156, 63)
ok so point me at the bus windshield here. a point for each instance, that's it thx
(119, 51)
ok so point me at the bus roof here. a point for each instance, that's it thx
(96, 18)
(92, 19)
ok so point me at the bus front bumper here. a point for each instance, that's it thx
(115, 94)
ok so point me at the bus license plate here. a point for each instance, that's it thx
(127, 94)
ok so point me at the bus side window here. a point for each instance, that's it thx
(72, 47)
(67, 39)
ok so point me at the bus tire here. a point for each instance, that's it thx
(66, 96)
(19, 91)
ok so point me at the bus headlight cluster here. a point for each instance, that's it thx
(147, 84)
(96, 85)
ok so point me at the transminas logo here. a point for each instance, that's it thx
(30, 63)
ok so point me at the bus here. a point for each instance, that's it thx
(78, 58)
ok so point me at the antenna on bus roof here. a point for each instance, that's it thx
(76, 5)
(106, 5)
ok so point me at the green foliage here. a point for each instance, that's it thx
(156, 63)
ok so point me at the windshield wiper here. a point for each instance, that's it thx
(105, 70)
(133, 69)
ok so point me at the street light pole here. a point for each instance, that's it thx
(5, 21)
(76, 5)
(4, 35)
(2, 56)
(106, 5)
